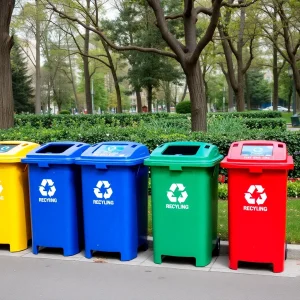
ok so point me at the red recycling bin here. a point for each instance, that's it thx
(257, 192)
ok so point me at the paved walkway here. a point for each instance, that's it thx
(144, 259)
(54, 278)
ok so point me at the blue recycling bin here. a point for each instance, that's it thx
(115, 198)
(55, 196)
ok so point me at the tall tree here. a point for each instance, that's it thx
(187, 53)
(6, 43)
(21, 81)
(234, 42)
(38, 59)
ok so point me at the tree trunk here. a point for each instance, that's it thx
(72, 75)
(248, 98)
(184, 92)
(87, 77)
(149, 97)
(6, 42)
(275, 62)
(118, 91)
(168, 96)
(115, 77)
(138, 100)
(197, 93)
(290, 97)
(49, 96)
(38, 60)
(230, 95)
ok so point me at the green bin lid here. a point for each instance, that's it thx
(184, 154)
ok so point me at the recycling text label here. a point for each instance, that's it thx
(103, 192)
(177, 195)
(47, 190)
(255, 197)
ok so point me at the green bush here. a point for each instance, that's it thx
(254, 123)
(183, 107)
(248, 114)
(64, 112)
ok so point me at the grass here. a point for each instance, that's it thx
(293, 221)
(287, 116)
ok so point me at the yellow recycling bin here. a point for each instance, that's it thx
(15, 228)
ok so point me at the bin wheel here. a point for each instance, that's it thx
(286, 251)
(216, 251)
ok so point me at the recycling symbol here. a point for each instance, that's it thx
(262, 196)
(181, 188)
(101, 186)
(1, 188)
(50, 187)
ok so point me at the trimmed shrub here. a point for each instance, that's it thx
(183, 107)
(64, 112)
(248, 114)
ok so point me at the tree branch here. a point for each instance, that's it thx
(174, 17)
(248, 64)
(204, 10)
(209, 31)
(226, 4)
(108, 41)
(163, 27)
(188, 5)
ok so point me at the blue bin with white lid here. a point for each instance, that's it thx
(115, 198)
(55, 196)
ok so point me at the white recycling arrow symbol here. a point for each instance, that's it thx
(259, 190)
(104, 185)
(47, 183)
(183, 194)
(1, 188)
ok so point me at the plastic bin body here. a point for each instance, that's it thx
(115, 198)
(15, 227)
(257, 193)
(184, 200)
(55, 197)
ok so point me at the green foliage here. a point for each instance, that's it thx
(249, 114)
(64, 112)
(223, 191)
(271, 123)
(183, 107)
(21, 81)
(258, 88)
(144, 128)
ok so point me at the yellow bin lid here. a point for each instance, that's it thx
(14, 151)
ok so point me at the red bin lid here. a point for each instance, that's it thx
(263, 154)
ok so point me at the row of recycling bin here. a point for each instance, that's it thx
(96, 197)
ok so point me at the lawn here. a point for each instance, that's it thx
(287, 116)
(293, 221)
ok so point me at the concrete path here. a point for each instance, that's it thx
(26, 278)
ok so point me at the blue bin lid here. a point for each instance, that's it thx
(55, 153)
(114, 154)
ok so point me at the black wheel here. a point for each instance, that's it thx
(216, 251)
(286, 251)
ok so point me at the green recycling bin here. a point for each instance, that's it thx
(184, 182)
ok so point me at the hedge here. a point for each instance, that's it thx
(47, 121)
(151, 137)
(249, 114)
(256, 123)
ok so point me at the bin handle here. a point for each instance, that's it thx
(101, 166)
(175, 168)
